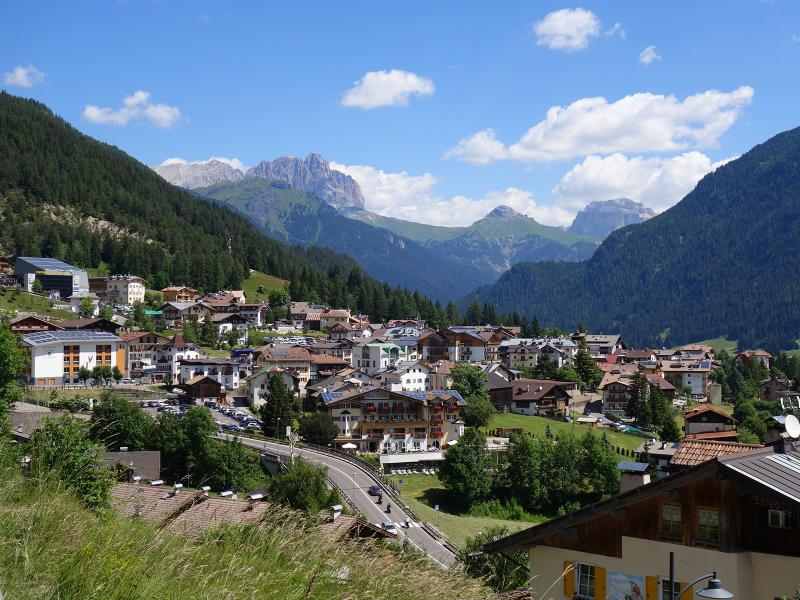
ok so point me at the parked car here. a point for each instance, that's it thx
(253, 426)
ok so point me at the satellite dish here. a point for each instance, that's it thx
(792, 426)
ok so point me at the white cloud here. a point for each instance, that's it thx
(657, 182)
(386, 88)
(383, 191)
(649, 55)
(136, 106)
(411, 197)
(232, 162)
(568, 29)
(615, 29)
(642, 122)
(26, 77)
(479, 149)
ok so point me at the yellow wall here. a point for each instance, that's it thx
(748, 575)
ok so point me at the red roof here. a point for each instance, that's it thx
(694, 452)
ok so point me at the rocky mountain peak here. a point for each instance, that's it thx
(601, 217)
(503, 212)
(312, 174)
(197, 174)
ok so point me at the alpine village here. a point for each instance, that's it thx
(300, 380)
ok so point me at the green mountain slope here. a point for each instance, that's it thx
(301, 218)
(66, 195)
(723, 261)
(491, 244)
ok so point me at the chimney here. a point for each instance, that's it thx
(335, 511)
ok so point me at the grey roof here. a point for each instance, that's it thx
(49, 264)
(779, 472)
(181, 305)
(632, 467)
(42, 338)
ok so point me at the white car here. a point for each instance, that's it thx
(389, 527)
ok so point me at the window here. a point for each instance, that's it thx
(676, 588)
(585, 576)
(670, 522)
(708, 524)
(778, 519)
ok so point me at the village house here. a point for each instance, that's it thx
(258, 383)
(687, 374)
(707, 423)
(462, 343)
(56, 357)
(774, 388)
(439, 375)
(223, 370)
(617, 384)
(379, 420)
(734, 515)
(175, 313)
(600, 345)
(634, 355)
(32, 324)
(78, 299)
(180, 293)
(292, 359)
(535, 397)
(329, 318)
(341, 349)
(141, 352)
(125, 289)
(406, 376)
(90, 324)
(225, 323)
(762, 357)
(326, 365)
(170, 355)
(255, 313)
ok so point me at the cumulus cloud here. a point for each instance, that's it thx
(134, 107)
(568, 29)
(657, 182)
(232, 162)
(26, 77)
(386, 88)
(649, 55)
(412, 198)
(642, 122)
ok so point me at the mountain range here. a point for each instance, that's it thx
(447, 262)
(722, 261)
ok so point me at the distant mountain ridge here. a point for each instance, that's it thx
(601, 217)
(720, 262)
(312, 174)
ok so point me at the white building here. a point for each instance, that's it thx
(406, 376)
(227, 322)
(372, 357)
(170, 355)
(57, 356)
(76, 303)
(222, 370)
(258, 382)
(125, 289)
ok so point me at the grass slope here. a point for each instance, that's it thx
(722, 343)
(55, 549)
(538, 426)
(24, 302)
(423, 492)
(258, 279)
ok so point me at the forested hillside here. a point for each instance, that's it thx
(722, 261)
(67, 195)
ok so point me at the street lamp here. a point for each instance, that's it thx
(714, 588)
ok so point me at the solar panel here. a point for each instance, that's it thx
(49, 337)
(278, 352)
(49, 264)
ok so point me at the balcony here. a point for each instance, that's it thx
(398, 408)
(384, 408)
(436, 420)
(371, 408)
(452, 407)
(436, 408)
(436, 434)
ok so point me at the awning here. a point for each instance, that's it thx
(349, 446)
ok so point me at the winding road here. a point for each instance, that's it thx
(354, 480)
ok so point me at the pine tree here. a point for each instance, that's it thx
(590, 373)
(276, 412)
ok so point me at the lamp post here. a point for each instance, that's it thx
(714, 588)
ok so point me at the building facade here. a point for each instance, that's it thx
(56, 357)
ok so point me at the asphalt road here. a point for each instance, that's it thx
(355, 481)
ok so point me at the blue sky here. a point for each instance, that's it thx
(436, 129)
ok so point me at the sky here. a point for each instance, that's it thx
(440, 110)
